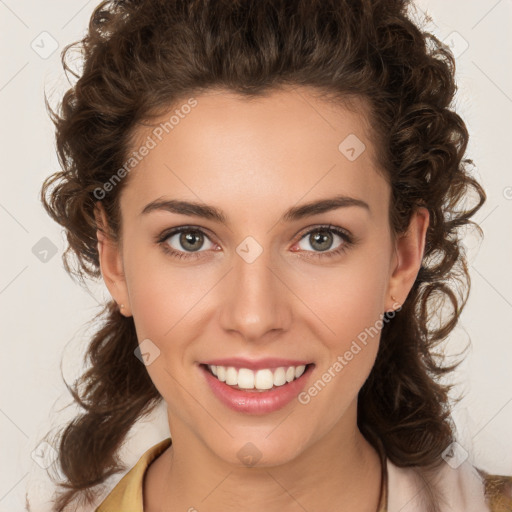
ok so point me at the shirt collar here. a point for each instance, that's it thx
(127, 494)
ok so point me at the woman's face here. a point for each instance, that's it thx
(268, 280)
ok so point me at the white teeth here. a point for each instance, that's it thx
(231, 376)
(279, 376)
(245, 379)
(261, 379)
(221, 373)
(299, 370)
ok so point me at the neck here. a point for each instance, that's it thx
(341, 471)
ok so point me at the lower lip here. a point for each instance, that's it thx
(256, 402)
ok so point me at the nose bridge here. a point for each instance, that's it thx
(255, 300)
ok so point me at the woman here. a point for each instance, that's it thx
(272, 192)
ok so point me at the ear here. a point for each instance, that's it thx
(111, 262)
(409, 249)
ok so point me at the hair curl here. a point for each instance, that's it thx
(140, 57)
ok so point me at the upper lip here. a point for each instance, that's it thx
(256, 364)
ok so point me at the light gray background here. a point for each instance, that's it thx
(43, 312)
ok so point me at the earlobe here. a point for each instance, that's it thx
(111, 263)
(409, 250)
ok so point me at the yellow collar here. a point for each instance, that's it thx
(127, 494)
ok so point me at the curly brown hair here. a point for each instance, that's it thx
(140, 56)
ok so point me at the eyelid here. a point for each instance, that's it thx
(328, 227)
(167, 233)
(348, 238)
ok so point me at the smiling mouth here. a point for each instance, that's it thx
(264, 380)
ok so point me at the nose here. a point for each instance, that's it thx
(256, 300)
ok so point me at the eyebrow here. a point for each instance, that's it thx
(293, 214)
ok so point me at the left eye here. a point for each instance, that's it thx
(321, 239)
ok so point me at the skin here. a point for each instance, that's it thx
(254, 160)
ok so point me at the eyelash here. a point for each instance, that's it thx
(348, 240)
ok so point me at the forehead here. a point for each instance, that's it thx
(287, 145)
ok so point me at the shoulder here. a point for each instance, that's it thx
(498, 491)
(447, 488)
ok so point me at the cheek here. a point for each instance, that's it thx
(348, 302)
(161, 290)
(350, 307)
(348, 298)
